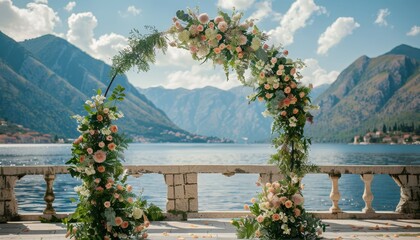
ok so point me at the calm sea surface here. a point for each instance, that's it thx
(215, 191)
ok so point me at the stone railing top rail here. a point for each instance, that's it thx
(225, 169)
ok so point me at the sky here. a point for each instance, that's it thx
(327, 35)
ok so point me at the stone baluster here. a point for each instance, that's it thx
(49, 193)
(8, 203)
(367, 193)
(409, 193)
(335, 193)
(182, 194)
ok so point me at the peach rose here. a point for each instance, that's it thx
(178, 25)
(273, 60)
(124, 224)
(267, 86)
(217, 50)
(293, 85)
(118, 221)
(297, 199)
(107, 204)
(129, 188)
(203, 18)
(89, 150)
(283, 113)
(146, 223)
(99, 189)
(229, 47)
(286, 78)
(265, 46)
(112, 146)
(97, 180)
(287, 90)
(283, 199)
(275, 217)
(109, 138)
(286, 102)
(240, 55)
(262, 75)
(281, 67)
(101, 144)
(139, 228)
(238, 49)
(101, 169)
(108, 185)
(219, 37)
(253, 200)
(99, 156)
(293, 71)
(82, 158)
(260, 98)
(288, 204)
(260, 219)
(99, 118)
(114, 128)
(301, 94)
(120, 187)
(116, 195)
(295, 111)
(242, 40)
(222, 46)
(106, 110)
(279, 72)
(107, 238)
(268, 95)
(92, 132)
(130, 200)
(246, 207)
(203, 38)
(145, 235)
(110, 180)
(276, 185)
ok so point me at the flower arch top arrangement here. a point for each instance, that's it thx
(239, 47)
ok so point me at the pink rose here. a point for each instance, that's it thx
(116, 195)
(297, 212)
(268, 95)
(99, 189)
(238, 49)
(108, 185)
(217, 50)
(124, 224)
(107, 204)
(297, 199)
(219, 37)
(275, 217)
(260, 219)
(265, 46)
(267, 86)
(243, 40)
(113, 128)
(203, 38)
(101, 169)
(82, 158)
(99, 118)
(222, 26)
(89, 150)
(285, 52)
(211, 25)
(288, 204)
(99, 156)
(97, 180)
(203, 18)
(101, 144)
(118, 221)
(178, 25)
(109, 138)
(200, 28)
(218, 19)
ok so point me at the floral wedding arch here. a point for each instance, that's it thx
(107, 209)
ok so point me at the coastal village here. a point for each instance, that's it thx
(389, 137)
(14, 133)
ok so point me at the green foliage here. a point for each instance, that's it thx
(245, 227)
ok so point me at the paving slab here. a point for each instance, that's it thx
(222, 229)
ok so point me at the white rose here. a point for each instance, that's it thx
(256, 43)
(137, 213)
(184, 36)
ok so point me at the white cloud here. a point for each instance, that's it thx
(34, 20)
(133, 10)
(264, 10)
(380, 18)
(69, 7)
(41, 1)
(237, 4)
(341, 28)
(295, 18)
(315, 74)
(414, 31)
(80, 33)
(130, 11)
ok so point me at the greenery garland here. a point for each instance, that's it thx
(240, 47)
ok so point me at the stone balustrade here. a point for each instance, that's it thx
(182, 188)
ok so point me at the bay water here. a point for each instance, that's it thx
(217, 192)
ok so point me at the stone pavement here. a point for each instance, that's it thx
(221, 229)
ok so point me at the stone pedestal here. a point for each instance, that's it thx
(8, 203)
(182, 195)
(409, 193)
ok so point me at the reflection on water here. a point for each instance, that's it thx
(215, 191)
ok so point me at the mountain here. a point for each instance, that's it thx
(369, 93)
(46, 80)
(212, 111)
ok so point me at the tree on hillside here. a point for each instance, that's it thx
(384, 128)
